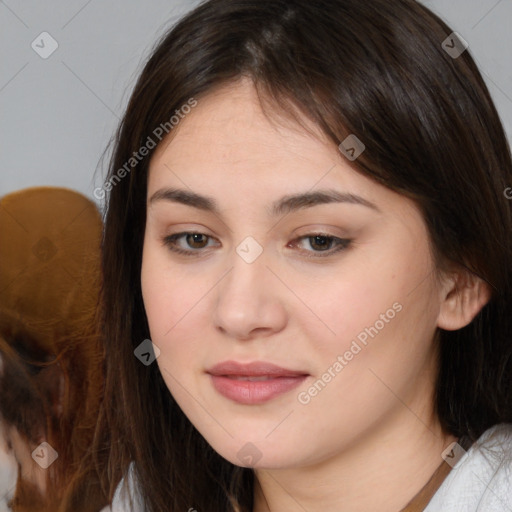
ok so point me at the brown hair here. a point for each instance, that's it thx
(51, 377)
(376, 69)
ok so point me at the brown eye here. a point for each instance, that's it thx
(320, 243)
(197, 240)
(188, 243)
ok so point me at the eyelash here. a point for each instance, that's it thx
(341, 244)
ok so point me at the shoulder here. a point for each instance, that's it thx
(127, 497)
(482, 478)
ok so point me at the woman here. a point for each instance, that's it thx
(51, 379)
(306, 262)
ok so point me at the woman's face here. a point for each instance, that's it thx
(298, 262)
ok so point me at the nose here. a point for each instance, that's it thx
(250, 301)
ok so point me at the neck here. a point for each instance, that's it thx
(382, 470)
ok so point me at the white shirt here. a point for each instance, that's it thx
(480, 481)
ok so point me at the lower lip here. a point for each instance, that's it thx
(255, 392)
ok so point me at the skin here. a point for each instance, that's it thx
(372, 426)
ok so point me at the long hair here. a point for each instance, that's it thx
(51, 376)
(375, 69)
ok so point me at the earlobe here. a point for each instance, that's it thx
(463, 297)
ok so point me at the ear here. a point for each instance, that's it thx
(463, 295)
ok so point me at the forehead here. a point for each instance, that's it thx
(227, 146)
(229, 125)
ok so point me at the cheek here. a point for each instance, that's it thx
(167, 292)
(383, 317)
(385, 303)
(173, 300)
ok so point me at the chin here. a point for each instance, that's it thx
(258, 454)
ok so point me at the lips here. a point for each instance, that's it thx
(253, 383)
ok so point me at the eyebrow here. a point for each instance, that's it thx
(283, 206)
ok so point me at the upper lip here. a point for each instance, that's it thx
(254, 369)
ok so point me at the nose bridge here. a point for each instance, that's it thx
(247, 274)
(246, 299)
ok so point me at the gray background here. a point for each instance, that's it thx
(58, 114)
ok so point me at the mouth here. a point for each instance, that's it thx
(253, 383)
(250, 379)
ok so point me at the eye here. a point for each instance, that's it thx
(323, 243)
(194, 240)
